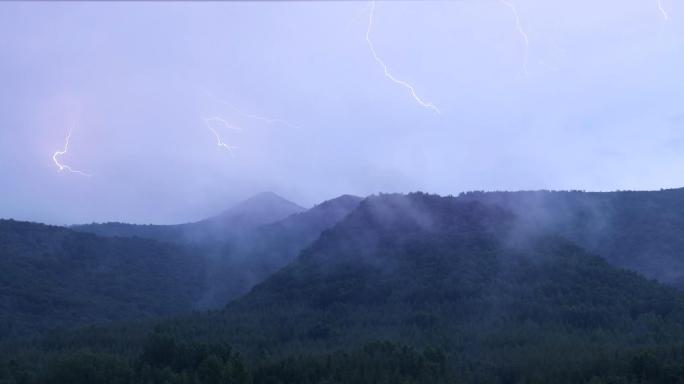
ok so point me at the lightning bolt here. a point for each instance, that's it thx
(57, 154)
(265, 119)
(268, 120)
(389, 75)
(218, 120)
(663, 11)
(521, 31)
(208, 121)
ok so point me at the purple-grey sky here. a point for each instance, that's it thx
(598, 108)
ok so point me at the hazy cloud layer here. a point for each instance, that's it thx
(600, 107)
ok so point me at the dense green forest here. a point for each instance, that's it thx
(252, 257)
(56, 277)
(405, 289)
(53, 277)
(637, 230)
(634, 230)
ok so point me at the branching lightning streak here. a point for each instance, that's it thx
(521, 31)
(386, 69)
(663, 11)
(57, 154)
(222, 122)
(208, 121)
(268, 120)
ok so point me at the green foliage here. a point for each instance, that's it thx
(379, 362)
(54, 277)
(457, 288)
(640, 231)
(88, 368)
(164, 360)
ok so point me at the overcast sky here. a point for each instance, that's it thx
(594, 102)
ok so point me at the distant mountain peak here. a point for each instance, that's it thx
(265, 200)
(260, 209)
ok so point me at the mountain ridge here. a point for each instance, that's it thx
(486, 300)
(389, 267)
(259, 209)
(175, 277)
(637, 230)
(269, 247)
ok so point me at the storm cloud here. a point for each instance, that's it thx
(599, 107)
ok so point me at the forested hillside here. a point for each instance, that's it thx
(417, 268)
(54, 277)
(249, 259)
(641, 231)
(453, 285)
(635, 230)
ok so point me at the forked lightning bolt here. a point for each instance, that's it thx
(663, 11)
(386, 70)
(208, 121)
(57, 154)
(521, 31)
